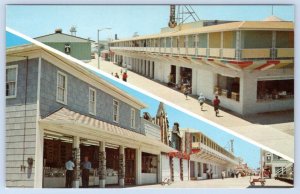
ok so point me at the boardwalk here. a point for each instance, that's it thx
(273, 130)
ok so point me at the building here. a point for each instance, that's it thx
(77, 47)
(56, 109)
(249, 64)
(275, 166)
(207, 158)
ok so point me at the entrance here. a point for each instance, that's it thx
(112, 165)
(130, 166)
(186, 79)
(172, 78)
(57, 151)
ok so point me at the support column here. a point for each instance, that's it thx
(122, 166)
(159, 169)
(177, 74)
(102, 164)
(76, 158)
(138, 180)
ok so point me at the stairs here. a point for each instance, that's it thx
(286, 173)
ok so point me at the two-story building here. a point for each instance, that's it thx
(277, 166)
(207, 158)
(56, 109)
(249, 64)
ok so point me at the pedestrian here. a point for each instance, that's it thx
(186, 92)
(237, 174)
(116, 75)
(208, 173)
(216, 103)
(69, 174)
(124, 77)
(223, 174)
(211, 174)
(201, 100)
(86, 167)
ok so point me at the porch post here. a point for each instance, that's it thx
(122, 167)
(76, 158)
(102, 165)
(138, 166)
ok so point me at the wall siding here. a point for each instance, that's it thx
(78, 99)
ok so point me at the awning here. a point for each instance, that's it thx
(72, 120)
(178, 154)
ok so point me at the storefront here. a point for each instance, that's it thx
(275, 89)
(149, 168)
(185, 79)
(228, 87)
(130, 164)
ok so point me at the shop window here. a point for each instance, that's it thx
(116, 111)
(149, 163)
(275, 89)
(132, 118)
(92, 101)
(11, 81)
(228, 87)
(61, 95)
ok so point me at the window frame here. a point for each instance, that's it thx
(95, 100)
(65, 89)
(118, 111)
(16, 81)
(132, 119)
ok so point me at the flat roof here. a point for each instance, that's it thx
(232, 26)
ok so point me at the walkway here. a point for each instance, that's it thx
(274, 135)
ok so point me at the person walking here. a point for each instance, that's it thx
(216, 104)
(125, 77)
(201, 100)
(116, 75)
(237, 174)
(186, 92)
(223, 174)
(70, 172)
(86, 167)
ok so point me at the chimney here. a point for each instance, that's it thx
(116, 36)
(58, 30)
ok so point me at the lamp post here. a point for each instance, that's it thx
(99, 44)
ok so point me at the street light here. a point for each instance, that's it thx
(99, 44)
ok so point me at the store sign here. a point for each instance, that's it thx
(67, 48)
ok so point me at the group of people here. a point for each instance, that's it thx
(216, 103)
(123, 74)
(85, 172)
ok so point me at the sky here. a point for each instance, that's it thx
(124, 20)
(249, 152)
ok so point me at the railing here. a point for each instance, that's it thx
(219, 154)
(285, 170)
(229, 53)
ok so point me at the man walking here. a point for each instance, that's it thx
(86, 167)
(223, 174)
(216, 103)
(201, 100)
(69, 174)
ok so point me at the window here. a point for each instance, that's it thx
(116, 111)
(92, 101)
(132, 118)
(11, 81)
(61, 95)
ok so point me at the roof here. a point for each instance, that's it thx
(273, 18)
(232, 26)
(67, 117)
(61, 37)
(75, 64)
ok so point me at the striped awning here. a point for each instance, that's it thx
(67, 117)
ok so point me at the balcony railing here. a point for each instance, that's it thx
(228, 53)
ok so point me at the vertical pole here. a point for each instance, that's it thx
(76, 157)
(121, 166)
(262, 164)
(102, 164)
(138, 166)
(98, 49)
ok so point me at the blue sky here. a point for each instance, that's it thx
(125, 20)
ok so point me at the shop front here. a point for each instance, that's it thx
(149, 168)
(228, 87)
(185, 79)
(268, 90)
